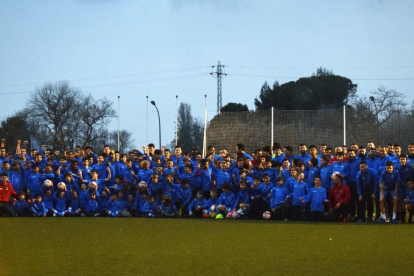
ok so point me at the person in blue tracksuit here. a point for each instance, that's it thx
(168, 210)
(37, 207)
(314, 171)
(151, 209)
(279, 201)
(74, 207)
(409, 199)
(183, 196)
(191, 175)
(225, 202)
(299, 189)
(241, 205)
(144, 174)
(198, 206)
(367, 185)
(113, 208)
(21, 206)
(212, 203)
(16, 178)
(406, 172)
(317, 198)
(221, 176)
(205, 173)
(61, 203)
(92, 206)
(389, 181)
(353, 169)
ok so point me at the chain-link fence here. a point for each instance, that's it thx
(293, 127)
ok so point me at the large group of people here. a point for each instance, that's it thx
(362, 184)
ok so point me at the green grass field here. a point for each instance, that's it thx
(103, 246)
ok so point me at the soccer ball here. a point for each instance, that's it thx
(142, 184)
(233, 215)
(213, 208)
(267, 215)
(93, 185)
(61, 186)
(47, 183)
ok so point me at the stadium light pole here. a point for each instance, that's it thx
(376, 111)
(159, 121)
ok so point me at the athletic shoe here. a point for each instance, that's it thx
(345, 219)
(380, 220)
(83, 215)
(97, 215)
(359, 220)
(219, 216)
(395, 221)
(206, 216)
(213, 214)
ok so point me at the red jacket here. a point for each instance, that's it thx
(6, 191)
(340, 194)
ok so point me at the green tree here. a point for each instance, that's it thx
(190, 130)
(323, 90)
(234, 107)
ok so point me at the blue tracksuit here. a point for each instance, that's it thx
(279, 195)
(38, 209)
(317, 198)
(21, 206)
(150, 208)
(198, 202)
(92, 206)
(340, 168)
(221, 177)
(113, 207)
(227, 199)
(353, 169)
(243, 196)
(144, 175)
(298, 190)
(184, 195)
(313, 172)
(367, 180)
(266, 189)
(206, 179)
(17, 181)
(389, 179)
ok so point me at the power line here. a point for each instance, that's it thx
(126, 83)
(118, 76)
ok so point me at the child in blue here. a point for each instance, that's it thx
(154, 184)
(48, 201)
(145, 173)
(212, 203)
(113, 207)
(409, 200)
(60, 202)
(205, 173)
(261, 202)
(117, 185)
(241, 204)
(183, 196)
(21, 207)
(317, 199)
(389, 191)
(299, 190)
(198, 205)
(313, 172)
(35, 181)
(191, 176)
(74, 208)
(37, 207)
(279, 201)
(151, 208)
(225, 202)
(221, 176)
(83, 195)
(168, 209)
(92, 207)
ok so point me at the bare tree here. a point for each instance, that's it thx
(62, 117)
(125, 140)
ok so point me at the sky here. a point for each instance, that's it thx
(166, 48)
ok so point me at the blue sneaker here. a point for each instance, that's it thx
(395, 221)
(381, 220)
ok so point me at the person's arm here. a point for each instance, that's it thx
(109, 174)
(2, 143)
(187, 200)
(18, 147)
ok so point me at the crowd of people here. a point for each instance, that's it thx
(362, 184)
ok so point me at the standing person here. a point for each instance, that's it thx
(353, 169)
(367, 184)
(339, 199)
(389, 180)
(317, 199)
(240, 151)
(6, 191)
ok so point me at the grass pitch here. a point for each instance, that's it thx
(105, 246)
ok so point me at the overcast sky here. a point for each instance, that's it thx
(166, 48)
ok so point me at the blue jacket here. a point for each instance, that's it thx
(299, 190)
(169, 209)
(266, 189)
(227, 199)
(390, 180)
(198, 202)
(17, 181)
(21, 206)
(353, 169)
(38, 209)
(243, 196)
(367, 180)
(184, 195)
(325, 174)
(150, 208)
(221, 177)
(113, 206)
(313, 172)
(92, 206)
(409, 196)
(279, 195)
(206, 179)
(317, 198)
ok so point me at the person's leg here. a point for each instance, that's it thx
(7, 210)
